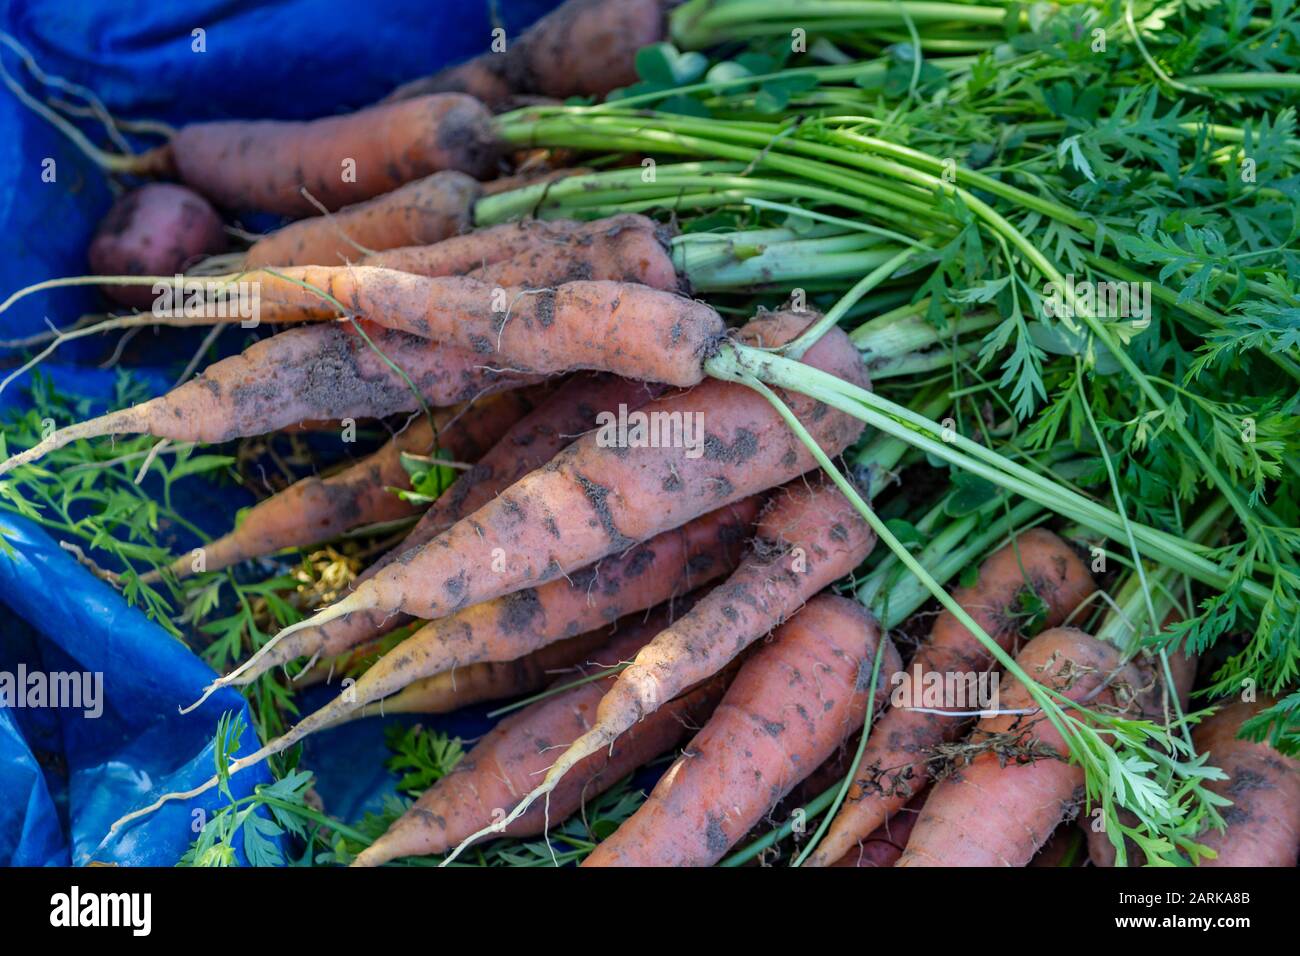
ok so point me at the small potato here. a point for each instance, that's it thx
(158, 229)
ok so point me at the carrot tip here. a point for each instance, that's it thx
(208, 691)
(579, 750)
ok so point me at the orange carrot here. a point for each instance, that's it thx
(531, 443)
(997, 810)
(808, 538)
(625, 328)
(885, 844)
(490, 779)
(508, 627)
(534, 253)
(488, 680)
(317, 509)
(158, 229)
(895, 764)
(593, 500)
(671, 565)
(322, 371)
(427, 210)
(423, 212)
(790, 705)
(582, 48)
(1263, 823)
(266, 164)
(534, 440)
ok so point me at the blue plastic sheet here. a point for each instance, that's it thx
(65, 775)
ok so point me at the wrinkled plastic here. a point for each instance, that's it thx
(65, 776)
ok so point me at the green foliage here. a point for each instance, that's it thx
(420, 756)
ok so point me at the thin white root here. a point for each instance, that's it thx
(157, 804)
(208, 691)
(308, 725)
(582, 748)
(222, 263)
(149, 459)
(114, 423)
(336, 610)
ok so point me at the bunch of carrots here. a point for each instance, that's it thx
(834, 571)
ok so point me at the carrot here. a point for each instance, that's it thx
(425, 211)
(997, 810)
(322, 371)
(267, 164)
(885, 844)
(790, 705)
(317, 509)
(618, 327)
(1263, 823)
(534, 440)
(487, 680)
(583, 48)
(809, 537)
(533, 253)
(158, 229)
(509, 627)
(531, 443)
(490, 779)
(895, 764)
(591, 500)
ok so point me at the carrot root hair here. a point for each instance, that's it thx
(589, 743)
(262, 661)
(319, 720)
(114, 423)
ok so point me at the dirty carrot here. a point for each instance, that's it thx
(492, 777)
(323, 371)
(885, 844)
(625, 328)
(1001, 805)
(1263, 823)
(488, 680)
(533, 441)
(895, 764)
(533, 253)
(425, 211)
(267, 164)
(582, 48)
(809, 537)
(790, 705)
(316, 509)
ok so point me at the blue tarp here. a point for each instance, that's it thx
(66, 776)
